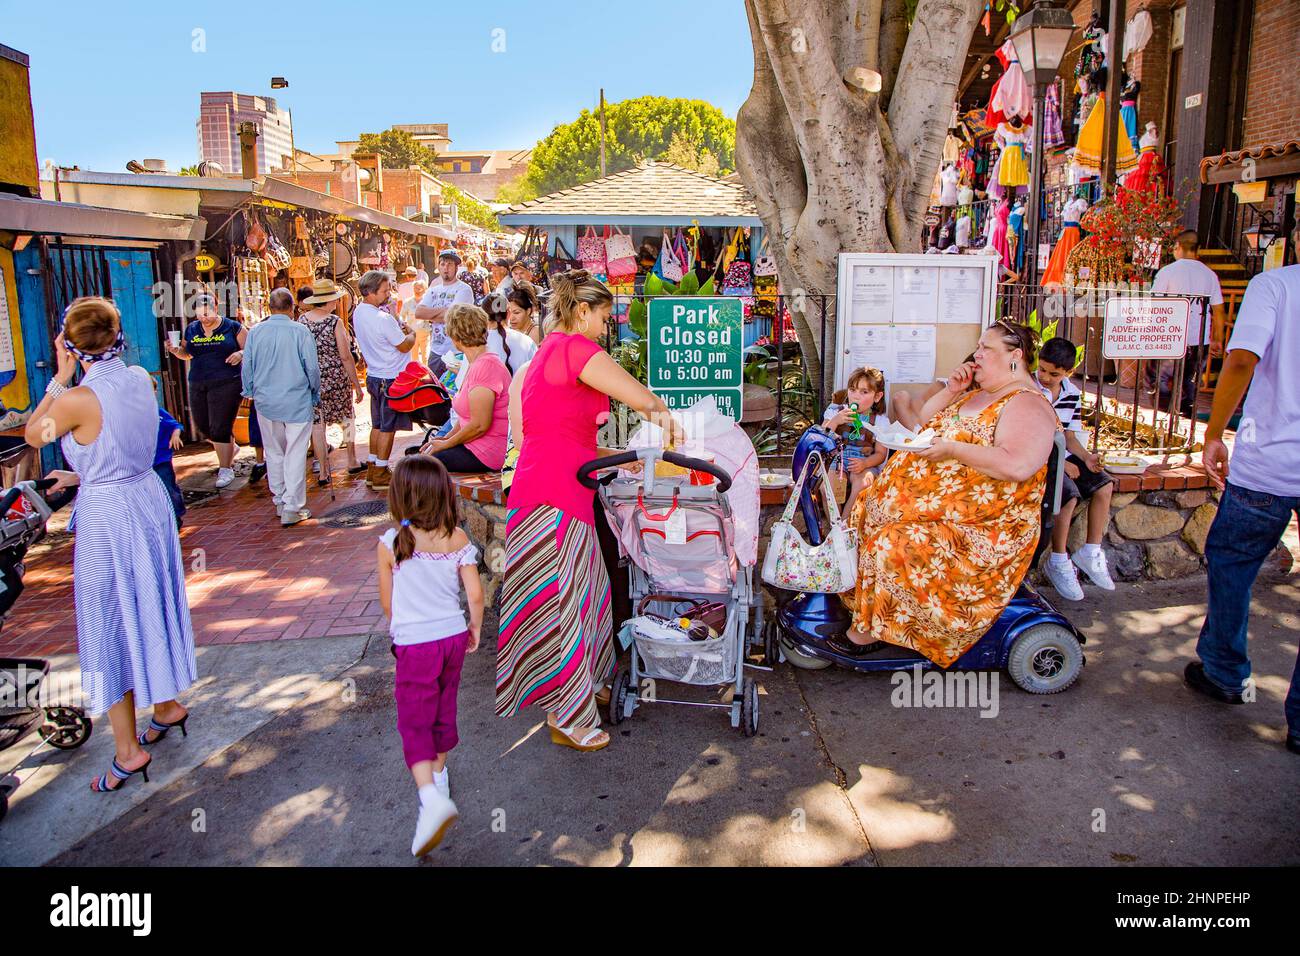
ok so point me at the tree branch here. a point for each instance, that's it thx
(924, 91)
(893, 39)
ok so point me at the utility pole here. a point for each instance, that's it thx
(602, 131)
(1114, 84)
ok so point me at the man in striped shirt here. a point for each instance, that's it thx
(1085, 479)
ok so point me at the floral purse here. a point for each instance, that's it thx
(794, 565)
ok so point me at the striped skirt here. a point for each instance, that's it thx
(557, 634)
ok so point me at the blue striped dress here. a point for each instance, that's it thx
(133, 618)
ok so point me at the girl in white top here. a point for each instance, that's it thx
(423, 565)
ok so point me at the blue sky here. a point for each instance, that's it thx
(117, 82)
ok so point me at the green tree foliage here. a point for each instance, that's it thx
(635, 130)
(470, 209)
(399, 149)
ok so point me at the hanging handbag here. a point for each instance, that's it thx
(685, 252)
(668, 267)
(765, 264)
(794, 565)
(620, 256)
(530, 254)
(561, 261)
(591, 250)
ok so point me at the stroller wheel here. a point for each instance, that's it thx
(771, 644)
(4, 805)
(66, 728)
(617, 696)
(749, 707)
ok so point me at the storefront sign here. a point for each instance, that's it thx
(204, 262)
(1146, 328)
(695, 348)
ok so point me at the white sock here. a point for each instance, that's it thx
(440, 776)
(1060, 557)
(381, 462)
(371, 459)
(429, 795)
(1088, 550)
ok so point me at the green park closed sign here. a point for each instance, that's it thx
(696, 349)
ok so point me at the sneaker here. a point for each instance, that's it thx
(1063, 578)
(432, 824)
(258, 473)
(290, 518)
(1095, 568)
(225, 476)
(443, 782)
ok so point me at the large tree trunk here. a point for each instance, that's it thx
(834, 168)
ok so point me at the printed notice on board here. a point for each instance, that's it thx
(8, 363)
(873, 293)
(916, 294)
(872, 347)
(961, 295)
(914, 353)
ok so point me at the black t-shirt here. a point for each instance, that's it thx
(211, 351)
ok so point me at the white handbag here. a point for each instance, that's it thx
(794, 565)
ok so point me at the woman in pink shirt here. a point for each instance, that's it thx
(478, 443)
(556, 646)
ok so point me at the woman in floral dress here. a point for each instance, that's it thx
(339, 389)
(947, 533)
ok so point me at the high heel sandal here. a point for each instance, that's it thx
(161, 730)
(564, 736)
(100, 785)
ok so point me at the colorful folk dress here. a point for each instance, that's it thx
(943, 547)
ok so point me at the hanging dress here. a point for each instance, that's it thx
(1087, 154)
(133, 617)
(1128, 113)
(1070, 236)
(1013, 170)
(1053, 136)
(1016, 227)
(1150, 173)
(998, 233)
(943, 546)
(1012, 97)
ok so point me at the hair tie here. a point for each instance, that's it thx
(406, 522)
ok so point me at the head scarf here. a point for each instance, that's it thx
(114, 350)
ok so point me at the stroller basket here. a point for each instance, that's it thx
(707, 662)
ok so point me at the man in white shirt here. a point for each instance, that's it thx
(1188, 275)
(1261, 491)
(444, 292)
(385, 343)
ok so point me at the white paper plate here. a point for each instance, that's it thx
(1125, 466)
(899, 446)
(773, 480)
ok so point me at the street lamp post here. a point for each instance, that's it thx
(1040, 36)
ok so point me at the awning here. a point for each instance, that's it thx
(36, 216)
(1272, 159)
(229, 193)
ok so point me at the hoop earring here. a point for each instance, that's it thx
(582, 327)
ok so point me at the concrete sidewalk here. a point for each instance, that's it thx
(1127, 767)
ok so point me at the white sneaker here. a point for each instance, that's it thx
(1095, 569)
(225, 476)
(290, 518)
(432, 824)
(1063, 578)
(443, 783)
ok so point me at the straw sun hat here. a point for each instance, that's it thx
(322, 291)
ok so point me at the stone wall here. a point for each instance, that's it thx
(1156, 535)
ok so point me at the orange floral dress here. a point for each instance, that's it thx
(943, 546)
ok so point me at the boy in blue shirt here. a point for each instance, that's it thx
(169, 440)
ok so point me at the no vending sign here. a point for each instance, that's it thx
(1153, 327)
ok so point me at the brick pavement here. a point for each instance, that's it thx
(247, 578)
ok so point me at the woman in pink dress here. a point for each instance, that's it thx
(556, 648)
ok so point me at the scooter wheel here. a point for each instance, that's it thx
(749, 707)
(801, 661)
(1046, 659)
(66, 728)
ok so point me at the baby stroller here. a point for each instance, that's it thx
(23, 513)
(678, 536)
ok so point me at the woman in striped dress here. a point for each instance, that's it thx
(133, 619)
(556, 648)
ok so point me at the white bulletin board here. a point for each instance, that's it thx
(914, 317)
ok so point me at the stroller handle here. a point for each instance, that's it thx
(649, 455)
(16, 492)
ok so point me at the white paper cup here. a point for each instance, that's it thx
(175, 339)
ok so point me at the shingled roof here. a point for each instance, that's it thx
(652, 189)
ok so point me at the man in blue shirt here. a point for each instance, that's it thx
(282, 376)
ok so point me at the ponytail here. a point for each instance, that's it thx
(500, 322)
(404, 546)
